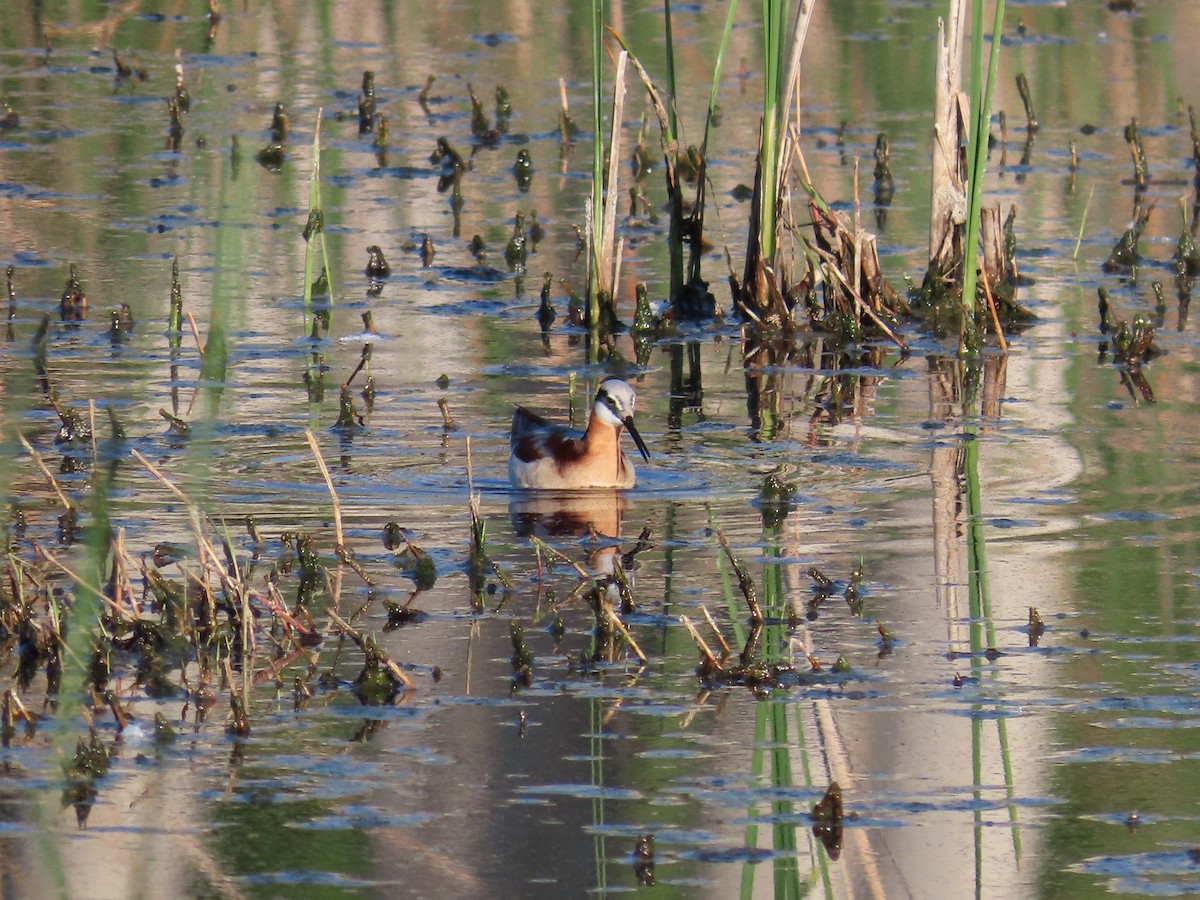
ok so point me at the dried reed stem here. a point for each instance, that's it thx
(51, 480)
(705, 650)
(337, 505)
(987, 290)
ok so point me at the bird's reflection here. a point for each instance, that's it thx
(551, 515)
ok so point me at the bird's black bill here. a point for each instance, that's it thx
(637, 438)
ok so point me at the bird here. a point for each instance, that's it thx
(548, 456)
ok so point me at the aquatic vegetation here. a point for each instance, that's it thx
(366, 103)
(73, 304)
(377, 264)
(523, 171)
(1125, 256)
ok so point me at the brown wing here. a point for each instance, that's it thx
(535, 438)
(525, 422)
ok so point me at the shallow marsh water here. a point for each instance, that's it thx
(1066, 769)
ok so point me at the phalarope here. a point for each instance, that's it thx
(548, 456)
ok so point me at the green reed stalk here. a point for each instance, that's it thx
(597, 747)
(757, 765)
(783, 833)
(1010, 787)
(977, 780)
(669, 36)
(597, 224)
(983, 636)
(775, 19)
(772, 741)
(980, 607)
(981, 102)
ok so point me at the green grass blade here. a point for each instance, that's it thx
(722, 47)
(1082, 222)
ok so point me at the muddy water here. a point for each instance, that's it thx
(1065, 769)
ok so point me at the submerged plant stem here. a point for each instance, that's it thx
(315, 227)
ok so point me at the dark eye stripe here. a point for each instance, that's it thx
(613, 404)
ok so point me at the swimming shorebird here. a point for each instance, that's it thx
(554, 457)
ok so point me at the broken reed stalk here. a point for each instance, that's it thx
(716, 631)
(608, 256)
(705, 650)
(991, 301)
(240, 724)
(195, 333)
(1031, 123)
(46, 473)
(211, 561)
(947, 188)
(616, 622)
(667, 141)
(388, 663)
(337, 505)
(479, 561)
(117, 610)
(831, 268)
(315, 226)
(542, 547)
(745, 582)
(693, 223)
(150, 467)
(175, 324)
(566, 125)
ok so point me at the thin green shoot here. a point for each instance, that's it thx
(675, 224)
(722, 47)
(1082, 223)
(665, 112)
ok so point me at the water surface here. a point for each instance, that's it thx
(1062, 769)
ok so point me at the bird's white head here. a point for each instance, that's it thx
(614, 406)
(614, 402)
